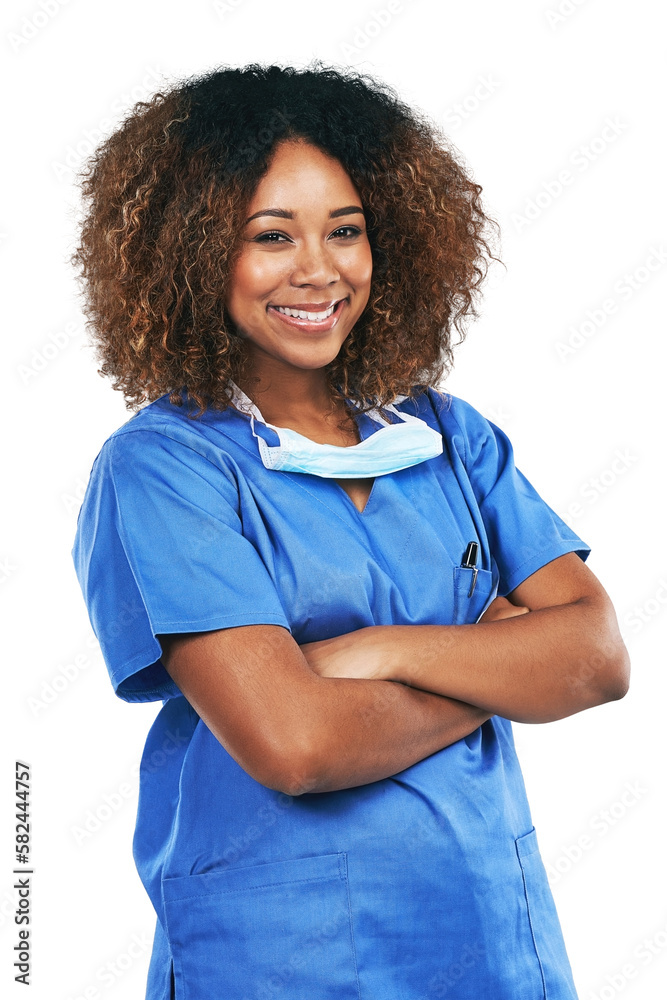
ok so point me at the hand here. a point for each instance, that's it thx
(500, 608)
(356, 654)
(370, 654)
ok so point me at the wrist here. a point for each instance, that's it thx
(393, 653)
(413, 651)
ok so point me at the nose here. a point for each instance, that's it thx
(314, 265)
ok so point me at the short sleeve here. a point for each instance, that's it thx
(159, 548)
(524, 532)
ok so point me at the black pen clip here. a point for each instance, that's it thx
(470, 562)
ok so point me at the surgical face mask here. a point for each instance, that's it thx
(393, 447)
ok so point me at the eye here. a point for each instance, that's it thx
(275, 237)
(265, 237)
(352, 231)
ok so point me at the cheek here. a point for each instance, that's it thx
(361, 270)
(365, 264)
(252, 279)
(365, 271)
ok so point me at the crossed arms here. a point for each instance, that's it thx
(363, 706)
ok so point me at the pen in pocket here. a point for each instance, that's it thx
(470, 562)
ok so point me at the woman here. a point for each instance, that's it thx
(331, 573)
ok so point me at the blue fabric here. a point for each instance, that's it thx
(428, 883)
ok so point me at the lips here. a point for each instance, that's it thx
(308, 325)
(306, 306)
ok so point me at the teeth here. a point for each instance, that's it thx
(314, 317)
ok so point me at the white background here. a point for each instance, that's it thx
(537, 90)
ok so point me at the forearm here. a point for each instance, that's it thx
(537, 667)
(295, 731)
(366, 730)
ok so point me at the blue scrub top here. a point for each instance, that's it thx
(428, 883)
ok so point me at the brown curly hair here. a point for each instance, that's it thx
(165, 198)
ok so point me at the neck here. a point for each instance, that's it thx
(286, 395)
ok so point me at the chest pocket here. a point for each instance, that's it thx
(469, 607)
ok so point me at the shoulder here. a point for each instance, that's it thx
(160, 455)
(461, 424)
(444, 406)
(162, 433)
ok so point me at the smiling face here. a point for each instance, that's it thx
(305, 251)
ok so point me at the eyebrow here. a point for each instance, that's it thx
(281, 213)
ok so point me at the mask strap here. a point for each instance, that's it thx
(255, 414)
(406, 417)
(245, 405)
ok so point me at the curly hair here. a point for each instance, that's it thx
(164, 205)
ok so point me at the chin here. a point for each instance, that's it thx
(310, 357)
(311, 364)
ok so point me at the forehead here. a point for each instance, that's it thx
(298, 169)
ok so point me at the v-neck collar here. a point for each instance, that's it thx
(367, 423)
